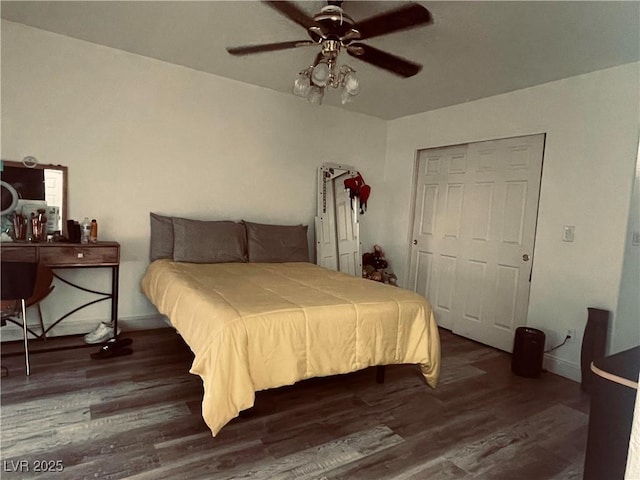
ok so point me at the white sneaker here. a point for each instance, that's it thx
(102, 333)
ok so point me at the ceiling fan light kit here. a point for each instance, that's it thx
(333, 29)
(313, 81)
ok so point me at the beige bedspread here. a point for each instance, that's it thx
(254, 326)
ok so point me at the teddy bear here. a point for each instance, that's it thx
(374, 265)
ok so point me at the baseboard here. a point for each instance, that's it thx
(72, 326)
(561, 367)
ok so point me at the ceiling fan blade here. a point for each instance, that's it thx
(392, 63)
(268, 47)
(292, 12)
(409, 16)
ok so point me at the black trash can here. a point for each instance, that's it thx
(528, 352)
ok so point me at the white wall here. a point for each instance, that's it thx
(140, 135)
(628, 335)
(591, 122)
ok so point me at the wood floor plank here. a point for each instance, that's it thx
(83, 429)
(437, 469)
(314, 462)
(138, 417)
(499, 448)
(211, 463)
(533, 462)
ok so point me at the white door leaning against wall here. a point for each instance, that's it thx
(475, 211)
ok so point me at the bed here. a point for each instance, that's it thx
(258, 315)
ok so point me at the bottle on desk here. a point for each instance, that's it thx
(85, 230)
(93, 235)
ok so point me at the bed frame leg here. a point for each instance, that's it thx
(380, 373)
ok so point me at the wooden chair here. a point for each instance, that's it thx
(18, 286)
(43, 288)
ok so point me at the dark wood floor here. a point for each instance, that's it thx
(139, 417)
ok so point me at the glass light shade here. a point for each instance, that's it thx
(351, 83)
(320, 74)
(316, 94)
(346, 97)
(301, 86)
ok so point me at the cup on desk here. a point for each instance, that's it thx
(39, 226)
(19, 227)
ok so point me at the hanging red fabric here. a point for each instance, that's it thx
(358, 188)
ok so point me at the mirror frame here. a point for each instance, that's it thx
(65, 182)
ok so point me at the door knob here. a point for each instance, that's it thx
(525, 257)
(415, 242)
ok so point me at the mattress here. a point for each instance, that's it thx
(254, 326)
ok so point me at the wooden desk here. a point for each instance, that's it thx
(72, 255)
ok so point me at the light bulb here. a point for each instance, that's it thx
(301, 86)
(320, 74)
(351, 83)
(316, 95)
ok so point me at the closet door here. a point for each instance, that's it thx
(473, 235)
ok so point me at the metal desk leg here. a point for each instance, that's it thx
(115, 282)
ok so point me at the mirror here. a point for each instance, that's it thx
(337, 227)
(28, 186)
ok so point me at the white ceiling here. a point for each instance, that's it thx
(472, 50)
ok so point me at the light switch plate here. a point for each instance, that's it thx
(568, 233)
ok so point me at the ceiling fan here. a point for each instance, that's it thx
(333, 29)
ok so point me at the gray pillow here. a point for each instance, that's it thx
(161, 239)
(277, 243)
(198, 241)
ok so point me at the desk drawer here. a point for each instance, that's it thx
(22, 253)
(79, 255)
